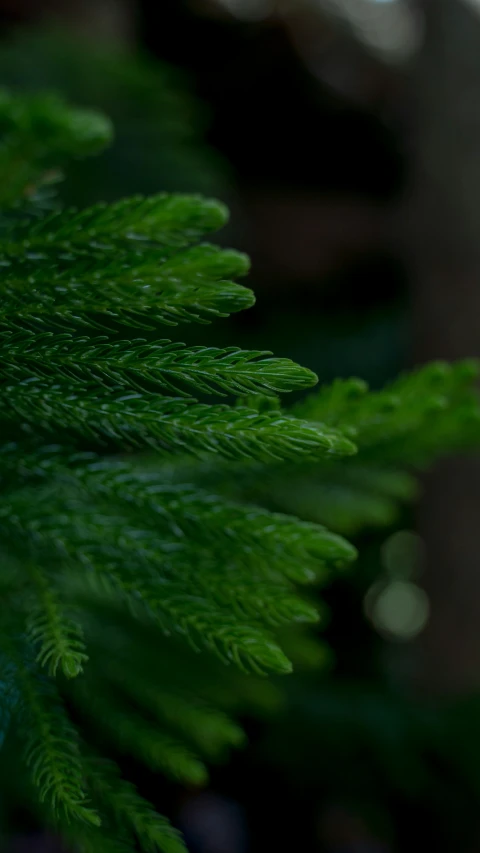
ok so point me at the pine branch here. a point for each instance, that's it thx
(136, 735)
(84, 265)
(56, 270)
(168, 220)
(169, 424)
(122, 292)
(209, 729)
(137, 364)
(348, 499)
(165, 663)
(140, 566)
(59, 636)
(146, 562)
(130, 810)
(52, 748)
(204, 623)
(380, 422)
(286, 545)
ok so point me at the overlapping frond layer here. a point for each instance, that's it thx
(345, 498)
(218, 575)
(270, 544)
(83, 278)
(402, 428)
(185, 588)
(128, 584)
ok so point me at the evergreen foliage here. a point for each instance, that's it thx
(119, 570)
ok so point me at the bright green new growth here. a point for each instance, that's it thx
(129, 583)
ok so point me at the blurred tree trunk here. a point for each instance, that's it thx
(446, 296)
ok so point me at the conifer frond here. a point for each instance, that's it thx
(159, 127)
(209, 729)
(136, 364)
(89, 265)
(48, 626)
(347, 500)
(79, 305)
(137, 735)
(52, 750)
(290, 547)
(405, 426)
(141, 557)
(205, 623)
(131, 811)
(173, 221)
(408, 409)
(119, 641)
(198, 266)
(92, 292)
(50, 128)
(161, 577)
(168, 423)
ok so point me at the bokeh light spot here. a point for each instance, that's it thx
(400, 610)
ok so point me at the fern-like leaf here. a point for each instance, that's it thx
(59, 636)
(407, 408)
(150, 560)
(124, 286)
(163, 219)
(52, 750)
(136, 735)
(130, 810)
(294, 548)
(210, 730)
(169, 424)
(164, 365)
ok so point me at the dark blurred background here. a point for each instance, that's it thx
(345, 137)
